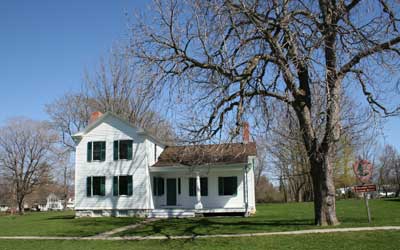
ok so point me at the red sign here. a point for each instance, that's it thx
(363, 170)
(365, 188)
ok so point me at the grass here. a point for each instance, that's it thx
(58, 224)
(275, 217)
(388, 240)
(269, 217)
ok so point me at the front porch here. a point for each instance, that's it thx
(184, 191)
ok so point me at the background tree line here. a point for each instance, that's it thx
(38, 156)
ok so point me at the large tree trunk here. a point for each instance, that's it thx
(321, 170)
(20, 202)
(324, 190)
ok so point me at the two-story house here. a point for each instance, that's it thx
(122, 170)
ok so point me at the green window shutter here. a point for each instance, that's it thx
(115, 186)
(103, 186)
(130, 185)
(192, 187)
(89, 152)
(115, 150)
(88, 186)
(155, 186)
(234, 185)
(204, 186)
(103, 151)
(160, 186)
(220, 185)
(130, 150)
(179, 185)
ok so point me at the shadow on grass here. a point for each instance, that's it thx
(62, 217)
(206, 226)
(392, 199)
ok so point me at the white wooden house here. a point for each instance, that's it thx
(122, 170)
(54, 203)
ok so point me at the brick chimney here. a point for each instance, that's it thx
(246, 133)
(94, 116)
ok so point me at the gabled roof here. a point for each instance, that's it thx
(229, 153)
(101, 119)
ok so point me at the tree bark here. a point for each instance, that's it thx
(21, 209)
(324, 190)
(321, 168)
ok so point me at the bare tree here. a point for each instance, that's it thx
(266, 192)
(389, 170)
(63, 170)
(25, 146)
(69, 114)
(112, 86)
(6, 195)
(233, 55)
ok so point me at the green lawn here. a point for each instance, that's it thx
(269, 217)
(276, 217)
(58, 224)
(388, 240)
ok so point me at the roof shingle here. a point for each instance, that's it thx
(229, 153)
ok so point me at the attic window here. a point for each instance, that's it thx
(123, 150)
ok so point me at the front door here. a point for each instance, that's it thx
(171, 192)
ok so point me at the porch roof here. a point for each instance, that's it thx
(194, 155)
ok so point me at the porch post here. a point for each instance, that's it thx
(198, 205)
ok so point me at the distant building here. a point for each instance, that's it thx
(54, 203)
(71, 204)
(4, 208)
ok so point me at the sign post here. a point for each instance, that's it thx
(367, 206)
(363, 171)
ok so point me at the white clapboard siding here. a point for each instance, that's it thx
(213, 199)
(144, 155)
(109, 130)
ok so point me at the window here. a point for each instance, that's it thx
(158, 186)
(96, 185)
(96, 151)
(203, 186)
(227, 185)
(122, 185)
(123, 150)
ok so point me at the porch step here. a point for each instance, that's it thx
(171, 213)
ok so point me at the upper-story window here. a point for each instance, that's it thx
(96, 151)
(123, 149)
